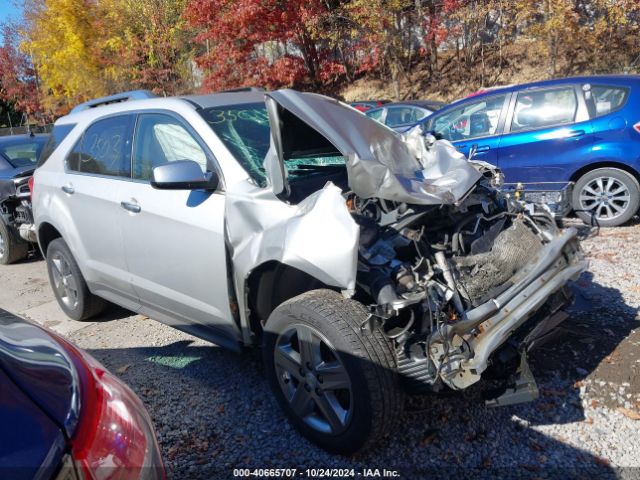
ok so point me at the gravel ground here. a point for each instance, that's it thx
(213, 410)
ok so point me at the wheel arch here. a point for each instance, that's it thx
(46, 234)
(271, 284)
(604, 164)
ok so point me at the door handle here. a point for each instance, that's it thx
(131, 207)
(483, 148)
(68, 189)
(574, 134)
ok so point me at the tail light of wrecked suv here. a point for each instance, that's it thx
(114, 438)
(30, 184)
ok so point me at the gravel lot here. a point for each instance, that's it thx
(213, 410)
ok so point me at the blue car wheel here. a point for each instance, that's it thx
(606, 196)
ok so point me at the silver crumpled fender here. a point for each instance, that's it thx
(317, 236)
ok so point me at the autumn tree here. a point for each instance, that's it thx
(144, 44)
(18, 82)
(268, 42)
(60, 36)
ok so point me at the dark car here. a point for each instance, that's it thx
(403, 116)
(18, 158)
(65, 416)
(580, 131)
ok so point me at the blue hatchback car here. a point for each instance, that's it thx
(584, 130)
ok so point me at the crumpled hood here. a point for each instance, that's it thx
(379, 162)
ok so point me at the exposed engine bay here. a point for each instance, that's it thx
(15, 206)
(449, 284)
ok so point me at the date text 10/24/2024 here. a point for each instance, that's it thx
(315, 473)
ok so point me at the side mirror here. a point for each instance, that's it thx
(183, 175)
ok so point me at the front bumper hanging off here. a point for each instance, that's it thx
(488, 326)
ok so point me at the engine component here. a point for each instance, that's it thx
(497, 262)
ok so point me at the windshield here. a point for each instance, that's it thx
(244, 129)
(21, 154)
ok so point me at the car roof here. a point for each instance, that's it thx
(225, 98)
(195, 101)
(618, 79)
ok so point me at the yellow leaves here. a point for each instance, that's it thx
(58, 37)
(88, 48)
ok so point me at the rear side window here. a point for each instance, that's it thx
(608, 99)
(57, 135)
(544, 108)
(104, 148)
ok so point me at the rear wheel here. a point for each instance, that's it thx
(606, 196)
(335, 380)
(69, 286)
(12, 247)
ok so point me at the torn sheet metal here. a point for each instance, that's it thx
(379, 163)
(317, 236)
(7, 189)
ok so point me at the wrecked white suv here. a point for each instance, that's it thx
(365, 264)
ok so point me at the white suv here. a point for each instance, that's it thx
(364, 263)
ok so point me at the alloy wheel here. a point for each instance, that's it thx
(64, 282)
(605, 197)
(313, 379)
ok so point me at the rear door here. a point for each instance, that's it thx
(174, 239)
(96, 169)
(547, 130)
(476, 123)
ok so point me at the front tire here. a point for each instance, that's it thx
(12, 247)
(69, 286)
(335, 380)
(607, 197)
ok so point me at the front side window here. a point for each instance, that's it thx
(161, 139)
(544, 108)
(244, 130)
(471, 120)
(104, 148)
(608, 99)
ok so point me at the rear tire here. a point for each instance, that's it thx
(611, 195)
(68, 284)
(352, 374)
(12, 247)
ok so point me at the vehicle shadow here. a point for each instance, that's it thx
(213, 409)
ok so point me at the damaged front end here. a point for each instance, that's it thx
(452, 284)
(457, 275)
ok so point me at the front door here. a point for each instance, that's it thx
(174, 239)
(474, 125)
(547, 131)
